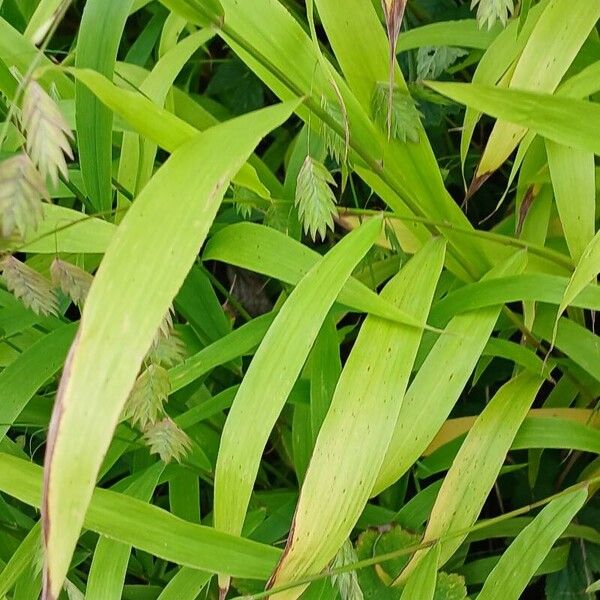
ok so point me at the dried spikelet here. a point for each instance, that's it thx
(490, 11)
(403, 121)
(167, 352)
(71, 280)
(167, 440)
(47, 132)
(34, 291)
(347, 583)
(314, 198)
(22, 190)
(145, 404)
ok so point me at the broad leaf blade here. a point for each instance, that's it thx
(520, 562)
(355, 434)
(478, 464)
(273, 371)
(153, 249)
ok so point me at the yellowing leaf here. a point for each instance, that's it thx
(355, 434)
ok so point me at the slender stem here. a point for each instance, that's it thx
(423, 545)
(490, 236)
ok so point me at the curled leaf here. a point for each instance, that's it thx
(71, 280)
(314, 198)
(22, 190)
(145, 404)
(402, 122)
(47, 132)
(34, 291)
(167, 440)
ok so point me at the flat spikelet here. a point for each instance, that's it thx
(314, 198)
(347, 583)
(47, 132)
(33, 290)
(145, 404)
(167, 440)
(71, 280)
(335, 144)
(490, 11)
(397, 114)
(22, 190)
(167, 351)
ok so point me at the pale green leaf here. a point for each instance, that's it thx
(477, 465)
(273, 371)
(96, 377)
(355, 434)
(519, 563)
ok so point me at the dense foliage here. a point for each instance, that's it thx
(297, 299)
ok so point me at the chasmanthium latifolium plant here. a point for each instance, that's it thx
(297, 299)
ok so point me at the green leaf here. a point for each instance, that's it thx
(520, 562)
(478, 464)
(563, 120)
(111, 558)
(106, 21)
(573, 176)
(544, 61)
(273, 371)
(272, 253)
(422, 582)
(356, 432)
(314, 199)
(28, 373)
(95, 375)
(585, 272)
(439, 382)
(119, 516)
(22, 558)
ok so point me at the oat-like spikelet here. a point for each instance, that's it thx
(46, 131)
(22, 190)
(168, 440)
(34, 291)
(71, 280)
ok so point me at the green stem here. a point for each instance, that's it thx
(369, 562)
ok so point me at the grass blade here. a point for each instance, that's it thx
(119, 312)
(520, 562)
(477, 464)
(355, 434)
(105, 20)
(118, 517)
(272, 373)
(439, 382)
